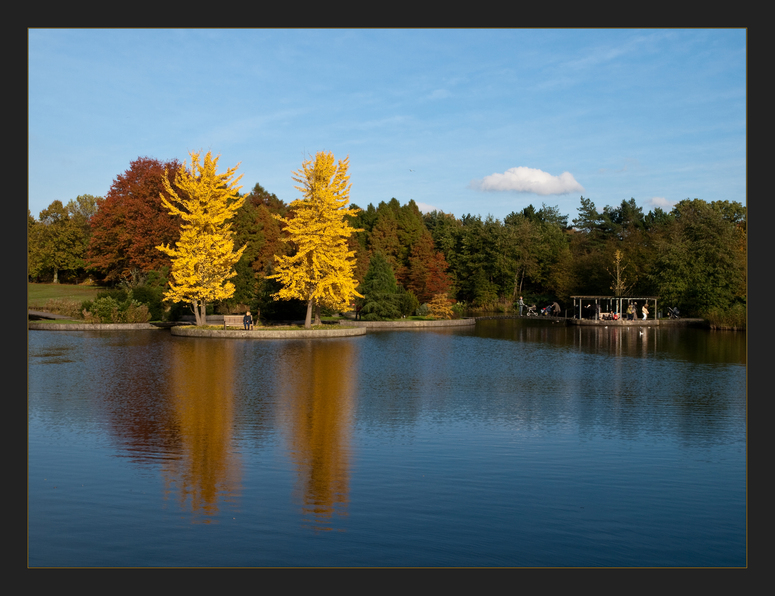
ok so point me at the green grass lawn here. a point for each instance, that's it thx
(61, 321)
(39, 294)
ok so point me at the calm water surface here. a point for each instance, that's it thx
(517, 443)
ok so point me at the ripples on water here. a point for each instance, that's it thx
(512, 444)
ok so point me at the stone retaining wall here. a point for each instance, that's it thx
(88, 326)
(410, 324)
(267, 334)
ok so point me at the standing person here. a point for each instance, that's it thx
(521, 306)
(630, 312)
(645, 312)
(555, 309)
(247, 321)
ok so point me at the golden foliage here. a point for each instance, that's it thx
(321, 272)
(204, 258)
(440, 307)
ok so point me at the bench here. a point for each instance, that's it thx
(234, 321)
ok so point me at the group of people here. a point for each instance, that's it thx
(632, 312)
(553, 308)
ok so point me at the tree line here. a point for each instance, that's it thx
(692, 257)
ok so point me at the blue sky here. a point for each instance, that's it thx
(483, 121)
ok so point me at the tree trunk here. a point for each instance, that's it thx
(317, 315)
(308, 320)
(203, 310)
(195, 308)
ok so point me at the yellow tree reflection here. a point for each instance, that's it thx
(317, 403)
(203, 405)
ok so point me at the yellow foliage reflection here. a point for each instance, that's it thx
(317, 403)
(203, 405)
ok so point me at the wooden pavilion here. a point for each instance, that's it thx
(589, 307)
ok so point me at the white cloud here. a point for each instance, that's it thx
(661, 202)
(532, 180)
(425, 208)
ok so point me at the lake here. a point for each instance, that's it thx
(513, 443)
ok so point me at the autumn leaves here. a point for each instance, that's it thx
(320, 272)
(204, 258)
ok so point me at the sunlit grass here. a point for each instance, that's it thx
(61, 322)
(39, 294)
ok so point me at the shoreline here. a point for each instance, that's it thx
(192, 331)
(408, 324)
(38, 326)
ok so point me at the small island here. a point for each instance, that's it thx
(267, 333)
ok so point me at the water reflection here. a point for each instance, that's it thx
(689, 344)
(202, 403)
(316, 400)
(507, 444)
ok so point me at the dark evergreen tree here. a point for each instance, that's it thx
(380, 291)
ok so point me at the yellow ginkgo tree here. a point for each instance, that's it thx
(203, 259)
(320, 272)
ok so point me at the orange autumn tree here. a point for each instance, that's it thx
(321, 271)
(427, 270)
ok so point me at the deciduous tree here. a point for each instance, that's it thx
(204, 258)
(131, 222)
(620, 284)
(56, 242)
(699, 266)
(427, 270)
(321, 270)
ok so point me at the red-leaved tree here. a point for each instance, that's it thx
(427, 270)
(131, 221)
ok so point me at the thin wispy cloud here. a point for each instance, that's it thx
(529, 180)
(628, 163)
(439, 94)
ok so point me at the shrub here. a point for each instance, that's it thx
(107, 309)
(118, 294)
(459, 309)
(731, 318)
(440, 308)
(152, 297)
(379, 306)
(136, 313)
(407, 303)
